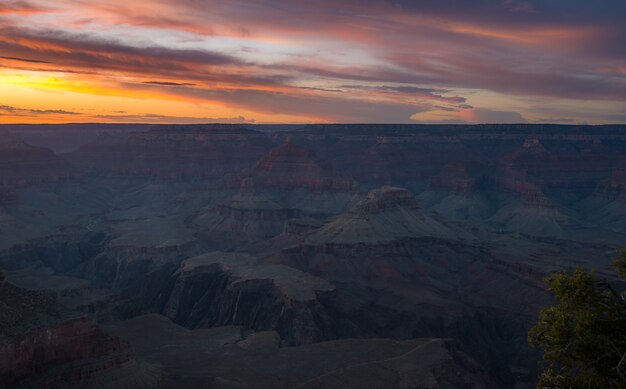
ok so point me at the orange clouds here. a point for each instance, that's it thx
(265, 60)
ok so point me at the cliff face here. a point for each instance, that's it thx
(395, 159)
(614, 188)
(401, 273)
(290, 166)
(463, 179)
(289, 182)
(532, 162)
(69, 341)
(244, 218)
(44, 345)
(469, 172)
(387, 214)
(93, 257)
(22, 165)
(174, 152)
(429, 287)
(220, 289)
(295, 178)
(119, 266)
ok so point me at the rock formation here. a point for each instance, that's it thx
(219, 289)
(228, 356)
(174, 152)
(22, 165)
(289, 182)
(387, 214)
(44, 345)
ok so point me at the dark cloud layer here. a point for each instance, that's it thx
(168, 83)
(23, 59)
(15, 111)
(156, 118)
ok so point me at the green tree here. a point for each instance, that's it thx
(584, 336)
(620, 263)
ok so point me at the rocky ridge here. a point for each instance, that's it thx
(44, 345)
(218, 289)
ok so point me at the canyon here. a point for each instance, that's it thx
(232, 255)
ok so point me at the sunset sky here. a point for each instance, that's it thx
(297, 61)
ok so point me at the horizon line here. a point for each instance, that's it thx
(315, 124)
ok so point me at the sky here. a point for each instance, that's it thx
(303, 61)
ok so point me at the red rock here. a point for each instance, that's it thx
(290, 166)
(455, 178)
(48, 346)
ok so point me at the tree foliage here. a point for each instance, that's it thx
(620, 263)
(584, 336)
